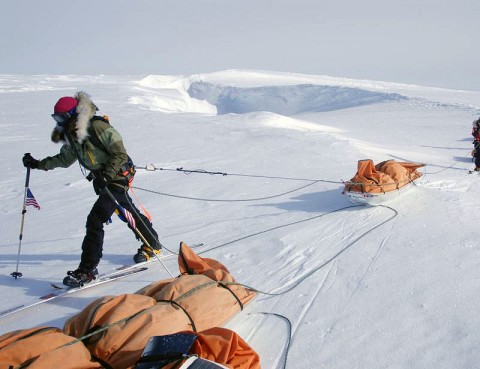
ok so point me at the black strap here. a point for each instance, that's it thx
(69, 137)
(233, 293)
(184, 310)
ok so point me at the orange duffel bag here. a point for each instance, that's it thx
(43, 347)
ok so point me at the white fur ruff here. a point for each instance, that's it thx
(86, 110)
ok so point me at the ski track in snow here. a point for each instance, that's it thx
(341, 232)
(345, 244)
(353, 291)
(448, 186)
(299, 318)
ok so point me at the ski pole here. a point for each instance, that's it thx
(137, 231)
(16, 274)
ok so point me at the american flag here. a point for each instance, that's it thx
(130, 218)
(30, 200)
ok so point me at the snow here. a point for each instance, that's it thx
(393, 286)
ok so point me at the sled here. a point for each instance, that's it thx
(377, 184)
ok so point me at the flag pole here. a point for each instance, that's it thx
(16, 274)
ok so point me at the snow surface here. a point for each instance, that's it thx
(392, 286)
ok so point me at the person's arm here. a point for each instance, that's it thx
(65, 158)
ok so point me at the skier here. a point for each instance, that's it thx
(476, 143)
(98, 147)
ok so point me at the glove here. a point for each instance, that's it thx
(101, 181)
(29, 161)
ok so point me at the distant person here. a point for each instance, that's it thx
(476, 143)
(98, 147)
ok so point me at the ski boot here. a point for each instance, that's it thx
(78, 278)
(145, 253)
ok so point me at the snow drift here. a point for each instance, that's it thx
(206, 95)
(285, 100)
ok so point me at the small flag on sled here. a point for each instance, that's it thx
(30, 200)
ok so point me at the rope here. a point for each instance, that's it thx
(278, 227)
(225, 200)
(455, 163)
(289, 328)
(313, 271)
(147, 214)
(152, 167)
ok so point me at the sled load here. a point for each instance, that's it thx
(173, 323)
(376, 184)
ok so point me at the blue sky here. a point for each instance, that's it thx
(425, 42)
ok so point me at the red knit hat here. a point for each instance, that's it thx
(65, 104)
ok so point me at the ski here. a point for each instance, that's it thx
(61, 290)
(117, 272)
(100, 280)
(121, 269)
(67, 291)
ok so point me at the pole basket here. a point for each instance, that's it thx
(16, 275)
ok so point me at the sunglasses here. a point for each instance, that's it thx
(63, 118)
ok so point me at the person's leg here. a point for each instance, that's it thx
(476, 155)
(142, 222)
(143, 225)
(92, 245)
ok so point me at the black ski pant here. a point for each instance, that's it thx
(476, 147)
(102, 210)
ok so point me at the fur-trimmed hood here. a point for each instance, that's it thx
(78, 126)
